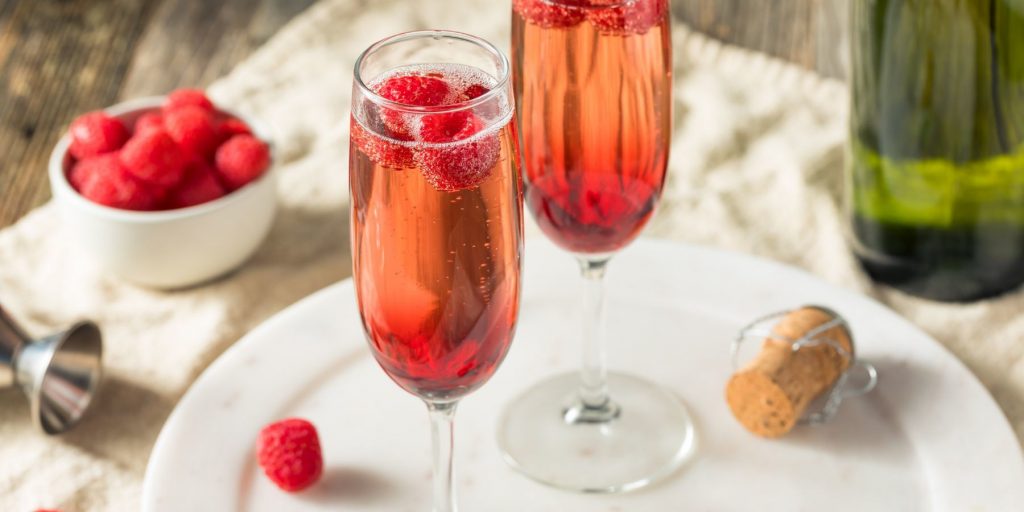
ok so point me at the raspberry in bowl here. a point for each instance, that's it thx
(166, 192)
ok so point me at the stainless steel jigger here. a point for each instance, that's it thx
(58, 373)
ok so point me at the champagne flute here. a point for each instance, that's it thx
(593, 85)
(436, 219)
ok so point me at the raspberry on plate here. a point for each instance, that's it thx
(289, 453)
(194, 129)
(96, 133)
(241, 159)
(104, 180)
(188, 97)
(633, 18)
(199, 186)
(547, 15)
(149, 121)
(458, 157)
(153, 157)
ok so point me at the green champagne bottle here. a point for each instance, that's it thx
(936, 167)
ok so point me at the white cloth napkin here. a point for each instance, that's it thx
(756, 166)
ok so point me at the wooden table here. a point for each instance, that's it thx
(61, 58)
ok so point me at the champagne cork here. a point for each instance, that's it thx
(770, 394)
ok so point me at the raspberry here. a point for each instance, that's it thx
(636, 17)
(241, 159)
(380, 150)
(199, 186)
(450, 126)
(193, 129)
(452, 162)
(547, 15)
(230, 126)
(289, 453)
(188, 97)
(460, 166)
(149, 121)
(416, 90)
(96, 133)
(474, 91)
(153, 157)
(104, 180)
(83, 170)
(488, 109)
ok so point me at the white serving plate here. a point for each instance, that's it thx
(929, 438)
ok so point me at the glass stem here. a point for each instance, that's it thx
(593, 404)
(442, 430)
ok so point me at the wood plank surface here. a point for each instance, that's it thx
(59, 58)
(56, 59)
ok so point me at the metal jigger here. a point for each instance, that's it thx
(58, 373)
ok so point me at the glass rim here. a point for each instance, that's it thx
(505, 71)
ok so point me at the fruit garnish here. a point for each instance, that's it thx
(96, 133)
(153, 157)
(636, 17)
(240, 160)
(289, 453)
(381, 151)
(548, 15)
(418, 90)
(449, 126)
(457, 157)
(473, 92)
(412, 90)
(589, 3)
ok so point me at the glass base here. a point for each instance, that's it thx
(650, 437)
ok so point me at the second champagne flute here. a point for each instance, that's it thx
(593, 85)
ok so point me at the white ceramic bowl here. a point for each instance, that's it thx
(171, 248)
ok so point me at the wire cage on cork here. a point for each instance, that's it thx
(802, 374)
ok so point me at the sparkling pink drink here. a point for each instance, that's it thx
(593, 88)
(436, 231)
